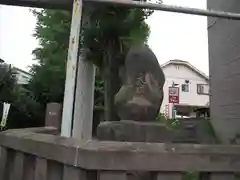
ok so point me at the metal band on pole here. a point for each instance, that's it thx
(170, 8)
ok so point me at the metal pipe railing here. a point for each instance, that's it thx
(170, 8)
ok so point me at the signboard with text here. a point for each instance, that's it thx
(6, 108)
(173, 95)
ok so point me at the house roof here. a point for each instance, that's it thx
(16, 69)
(185, 63)
(1, 60)
(22, 71)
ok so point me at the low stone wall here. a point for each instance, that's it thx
(27, 155)
(198, 128)
(192, 130)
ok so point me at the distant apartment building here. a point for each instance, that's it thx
(224, 64)
(192, 86)
(22, 76)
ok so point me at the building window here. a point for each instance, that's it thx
(185, 87)
(202, 89)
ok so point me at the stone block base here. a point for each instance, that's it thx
(134, 131)
(186, 132)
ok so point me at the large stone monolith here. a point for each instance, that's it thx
(141, 94)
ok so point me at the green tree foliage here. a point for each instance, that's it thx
(112, 31)
(48, 80)
(52, 32)
(107, 37)
(24, 111)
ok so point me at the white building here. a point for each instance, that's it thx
(193, 87)
(23, 77)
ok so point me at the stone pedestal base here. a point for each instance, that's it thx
(132, 131)
(135, 132)
(189, 131)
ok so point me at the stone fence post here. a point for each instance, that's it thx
(53, 116)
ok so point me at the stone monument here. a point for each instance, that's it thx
(141, 94)
(138, 101)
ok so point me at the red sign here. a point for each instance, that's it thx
(173, 95)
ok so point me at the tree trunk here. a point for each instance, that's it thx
(112, 85)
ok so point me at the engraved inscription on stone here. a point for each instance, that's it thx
(140, 84)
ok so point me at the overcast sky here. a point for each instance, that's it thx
(173, 35)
